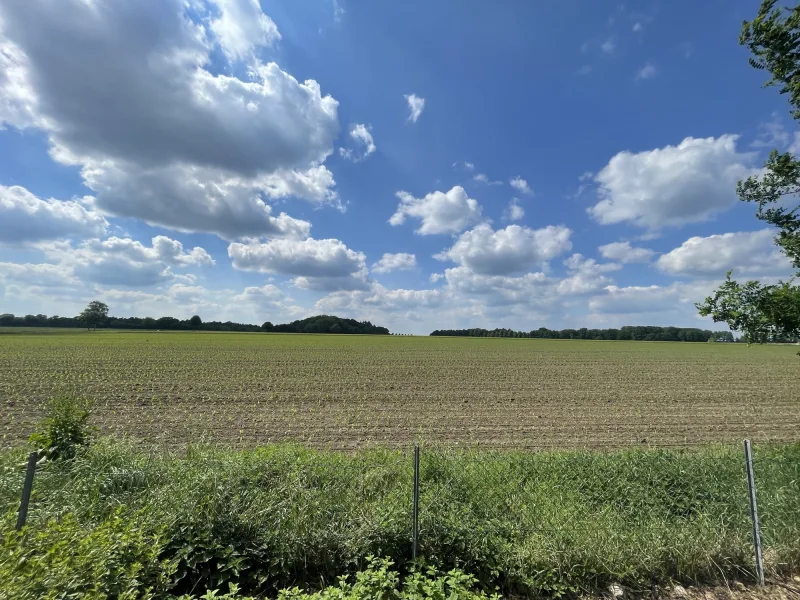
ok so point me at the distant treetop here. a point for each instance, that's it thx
(645, 333)
(326, 324)
(98, 317)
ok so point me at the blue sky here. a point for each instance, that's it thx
(422, 165)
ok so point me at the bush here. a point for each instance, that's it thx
(118, 558)
(65, 427)
(380, 582)
(532, 524)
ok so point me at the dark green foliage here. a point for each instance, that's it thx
(330, 324)
(764, 313)
(318, 324)
(93, 315)
(65, 428)
(531, 523)
(380, 582)
(773, 38)
(639, 333)
(116, 557)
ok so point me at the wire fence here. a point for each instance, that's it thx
(518, 520)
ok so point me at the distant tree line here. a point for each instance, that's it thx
(639, 333)
(326, 324)
(169, 323)
(94, 317)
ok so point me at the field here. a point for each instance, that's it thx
(353, 391)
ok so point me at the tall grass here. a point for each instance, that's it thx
(530, 523)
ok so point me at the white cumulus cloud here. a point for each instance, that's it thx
(393, 262)
(440, 212)
(27, 218)
(190, 198)
(514, 212)
(673, 185)
(625, 253)
(241, 27)
(129, 98)
(519, 184)
(746, 252)
(125, 261)
(511, 250)
(326, 264)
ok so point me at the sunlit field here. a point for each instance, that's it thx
(325, 391)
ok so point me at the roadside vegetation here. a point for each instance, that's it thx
(111, 519)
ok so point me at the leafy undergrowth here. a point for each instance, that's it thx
(118, 521)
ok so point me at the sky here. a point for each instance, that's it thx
(423, 165)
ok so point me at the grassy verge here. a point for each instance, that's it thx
(283, 516)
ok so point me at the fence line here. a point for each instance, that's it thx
(517, 496)
(751, 487)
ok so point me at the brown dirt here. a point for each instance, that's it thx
(352, 391)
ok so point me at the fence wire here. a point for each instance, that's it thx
(777, 477)
(622, 515)
(523, 521)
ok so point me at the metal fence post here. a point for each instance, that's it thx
(22, 516)
(751, 484)
(415, 515)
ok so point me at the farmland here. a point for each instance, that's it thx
(347, 392)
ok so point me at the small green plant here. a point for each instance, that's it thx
(65, 427)
(380, 582)
(119, 558)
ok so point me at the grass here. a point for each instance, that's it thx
(347, 392)
(527, 523)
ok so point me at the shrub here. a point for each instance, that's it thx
(65, 427)
(380, 582)
(118, 558)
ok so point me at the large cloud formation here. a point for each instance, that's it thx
(744, 252)
(673, 185)
(26, 218)
(511, 250)
(315, 264)
(125, 90)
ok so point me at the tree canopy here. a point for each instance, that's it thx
(647, 333)
(327, 324)
(766, 313)
(98, 317)
(96, 313)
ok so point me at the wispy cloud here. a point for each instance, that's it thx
(416, 105)
(483, 178)
(646, 72)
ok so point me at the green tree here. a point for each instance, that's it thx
(196, 322)
(766, 313)
(94, 314)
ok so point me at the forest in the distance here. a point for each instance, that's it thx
(645, 333)
(317, 324)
